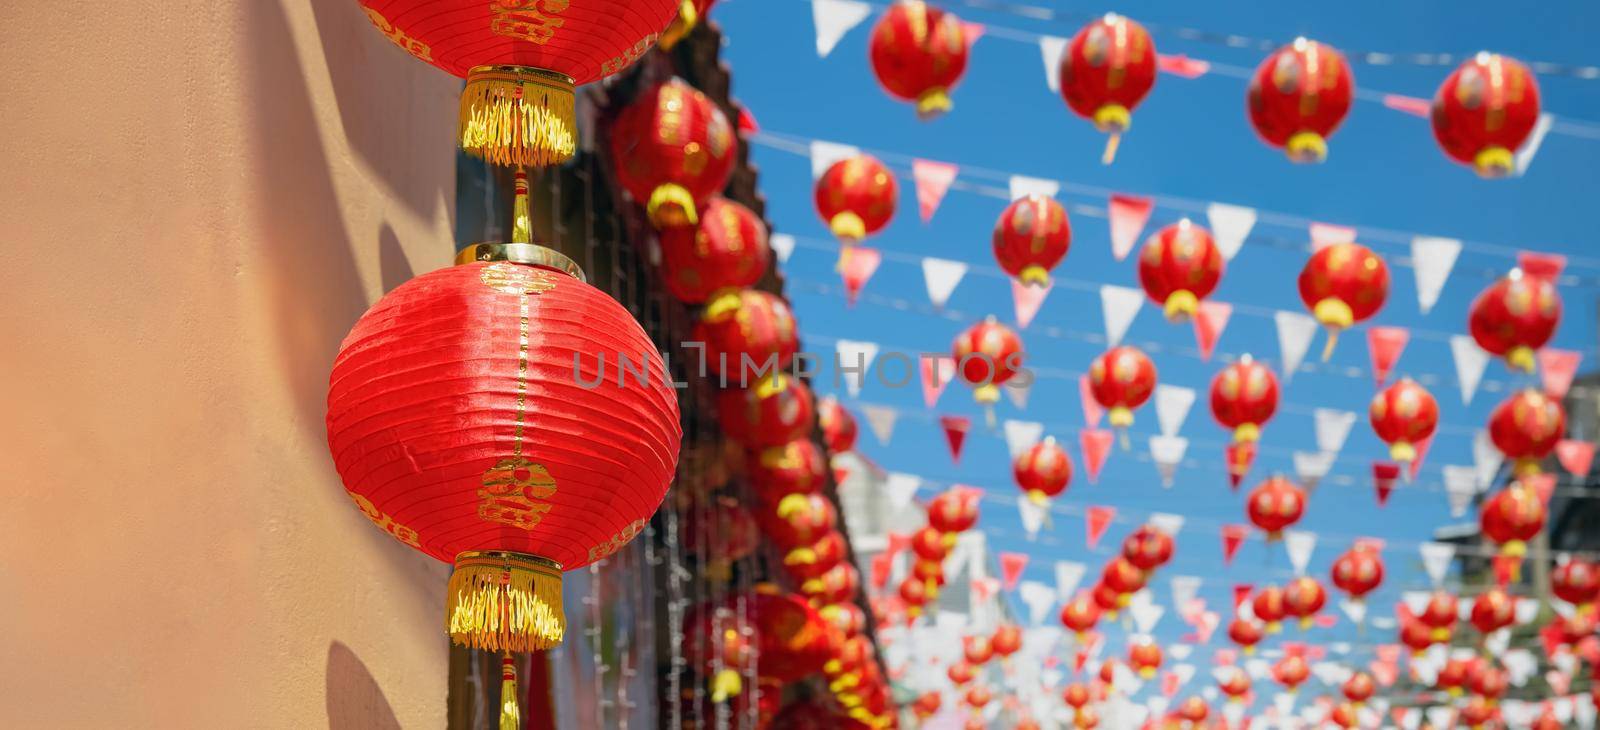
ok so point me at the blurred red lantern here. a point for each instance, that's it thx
(953, 511)
(1515, 316)
(977, 696)
(1525, 427)
(1453, 675)
(1575, 628)
(710, 261)
(1107, 69)
(1031, 238)
(1122, 577)
(521, 62)
(1512, 517)
(760, 331)
(1291, 671)
(1026, 723)
(977, 650)
(1043, 471)
(1344, 715)
(1440, 615)
(1246, 634)
(436, 414)
(1075, 695)
(1108, 672)
(1476, 713)
(975, 723)
(1342, 284)
(722, 533)
(797, 522)
(959, 673)
(1299, 96)
(1488, 682)
(814, 561)
(1268, 606)
(793, 468)
(1577, 582)
(1358, 571)
(781, 636)
(1144, 658)
(839, 585)
(1404, 415)
(673, 149)
(918, 54)
(720, 648)
(689, 14)
(1303, 597)
(926, 705)
(1007, 640)
(1484, 111)
(1194, 710)
(1087, 718)
(1234, 683)
(1359, 688)
(1122, 379)
(929, 572)
(1107, 599)
(1147, 548)
(848, 618)
(771, 412)
(1493, 610)
(929, 545)
(838, 426)
(1547, 720)
(987, 355)
(1244, 395)
(1080, 614)
(856, 198)
(1417, 636)
(1179, 266)
(1274, 505)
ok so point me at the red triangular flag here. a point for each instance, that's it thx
(1095, 522)
(932, 180)
(840, 474)
(1575, 456)
(1170, 681)
(1208, 325)
(1232, 538)
(981, 589)
(1224, 657)
(972, 31)
(1383, 475)
(1096, 444)
(1241, 593)
(882, 565)
(1556, 368)
(955, 433)
(1543, 485)
(1011, 566)
(1589, 649)
(897, 541)
(1422, 453)
(1541, 265)
(1506, 568)
(747, 123)
(1240, 456)
(1182, 66)
(1092, 410)
(1385, 345)
(1408, 104)
(1128, 214)
(857, 264)
(1325, 621)
(1028, 299)
(936, 374)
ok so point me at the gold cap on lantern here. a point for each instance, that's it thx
(531, 254)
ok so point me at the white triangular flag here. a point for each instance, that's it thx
(1230, 225)
(901, 488)
(1312, 466)
(1184, 590)
(1460, 484)
(1180, 652)
(1233, 712)
(941, 277)
(1524, 156)
(1436, 558)
(1145, 616)
(854, 358)
(1120, 304)
(1440, 716)
(1295, 332)
(1355, 610)
(1051, 48)
(1016, 390)
(1158, 706)
(824, 154)
(1022, 435)
(1299, 544)
(833, 19)
(1411, 719)
(1584, 713)
(1284, 703)
(1470, 362)
(1330, 673)
(880, 419)
(1333, 427)
(1172, 407)
(1167, 452)
(1039, 597)
(1068, 575)
(1185, 673)
(1258, 668)
(1023, 186)
(1432, 258)
(1032, 515)
(1525, 610)
(1486, 458)
(1416, 601)
(1166, 522)
(782, 245)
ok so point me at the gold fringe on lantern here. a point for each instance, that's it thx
(670, 205)
(688, 18)
(518, 115)
(503, 601)
(510, 714)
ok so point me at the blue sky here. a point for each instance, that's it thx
(1190, 142)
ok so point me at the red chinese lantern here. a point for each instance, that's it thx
(1147, 548)
(772, 412)
(1493, 610)
(1359, 688)
(1107, 599)
(1342, 284)
(1515, 316)
(848, 618)
(814, 561)
(1440, 615)
(1080, 614)
(929, 572)
(987, 355)
(1303, 597)
(1526, 427)
(977, 696)
(1179, 266)
(1244, 395)
(856, 198)
(476, 450)
(926, 705)
(839, 585)
(797, 522)
(1088, 718)
(1575, 628)
(1075, 695)
(1344, 715)
(953, 511)
(1291, 671)
(1031, 238)
(1484, 111)
(1107, 69)
(1452, 676)
(521, 62)
(1246, 634)
(918, 54)
(719, 642)
(1043, 471)
(1488, 682)
(1108, 672)
(689, 14)
(1358, 571)
(1577, 582)
(1194, 710)
(1122, 379)
(1274, 505)
(1123, 578)
(1512, 517)
(1007, 640)
(1145, 658)
(977, 650)
(1268, 606)
(1477, 713)
(673, 149)
(1404, 415)
(793, 639)
(959, 673)
(1299, 96)
(1417, 636)
(793, 468)
(929, 545)
(1234, 683)
(723, 533)
(757, 334)
(838, 426)
(710, 261)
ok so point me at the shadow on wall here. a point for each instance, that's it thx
(393, 266)
(355, 701)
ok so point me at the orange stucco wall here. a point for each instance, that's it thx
(201, 197)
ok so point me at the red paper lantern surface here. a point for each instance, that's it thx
(1404, 415)
(1244, 396)
(1147, 548)
(1488, 682)
(1234, 683)
(1080, 614)
(929, 544)
(1108, 672)
(977, 650)
(771, 412)
(1484, 111)
(1345, 715)
(1087, 718)
(1122, 577)
(1291, 671)
(1275, 505)
(710, 261)
(798, 520)
(1512, 517)
(790, 639)
(1342, 284)
(1007, 640)
(926, 704)
(856, 197)
(459, 426)
(673, 149)
(724, 532)
(848, 618)
(718, 647)
(757, 335)
(521, 61)
(1358, 571)
(954, 510)
(1194, 710)
(1106, 598)
(959, 673)
(1439, 615)
(1122, 379)
(1043, 471)
(1268, 606)
(1453, 675)
(930, 572)
(839, 585)
(1476, 713)
(1299, 96)
(1179, 266)
(1577, 582)
(1246, 634)
(1144, 658)
(1515, 316)
(914, 593)
(1107, 69)
(987, 355)
(813, 561)
(1359, 688)
(1526, 426)
(918, 54)
(1031, 238)
(838, 426)
(1571, 630)
(1075, 695)
(1493, 610)
(1303, 597)
(1417, 636)
(978, 696)
(793, 468)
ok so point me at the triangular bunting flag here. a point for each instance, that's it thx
(1209, 322)
(1016, 390)
(1068, 575)
(936, 374)
(1239, 456)
(972, 32)
(833, 19)
(1575, 456)
(1128, 213)
(1182, 66)
(747, 123)
(1119, 304)
(1415, 467)
(1460, 484)
(858, 357)
(1095, 521)
(1184, 590)
(901, 488)
(1011, 567)
(1383, 475)
(1167, 522)
(941, 277)
(1167, 452)
(1021, 435)
(1311, 467)
(1470, 362)
(1356, 611)
(1039, 598)
(1432, 258)
(932, 180)
(857, 265)
(1230, 226)
(1436, 559)
(882, 565)
(1486, 459)
(782, 245)
(1096, 445)
(1232, 538)
(1022, 186)
(1050, 49)
(955, 433)
(1333, 427)
(1027, 300)
(1092, 410)
(1327, 234)
(1299, 544)
(1408, 104)
(1541, 265)
(1556, 368)
(1385, 344)
(1032, 515)
(1295, 332)
(1524, 156)
(1145, 614)
(1172, 407)
(880, 419)
(824, 154)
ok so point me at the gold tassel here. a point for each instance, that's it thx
(670, 205)
(518, 115)
(726, 684)
(502, 601)
(510, 714)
